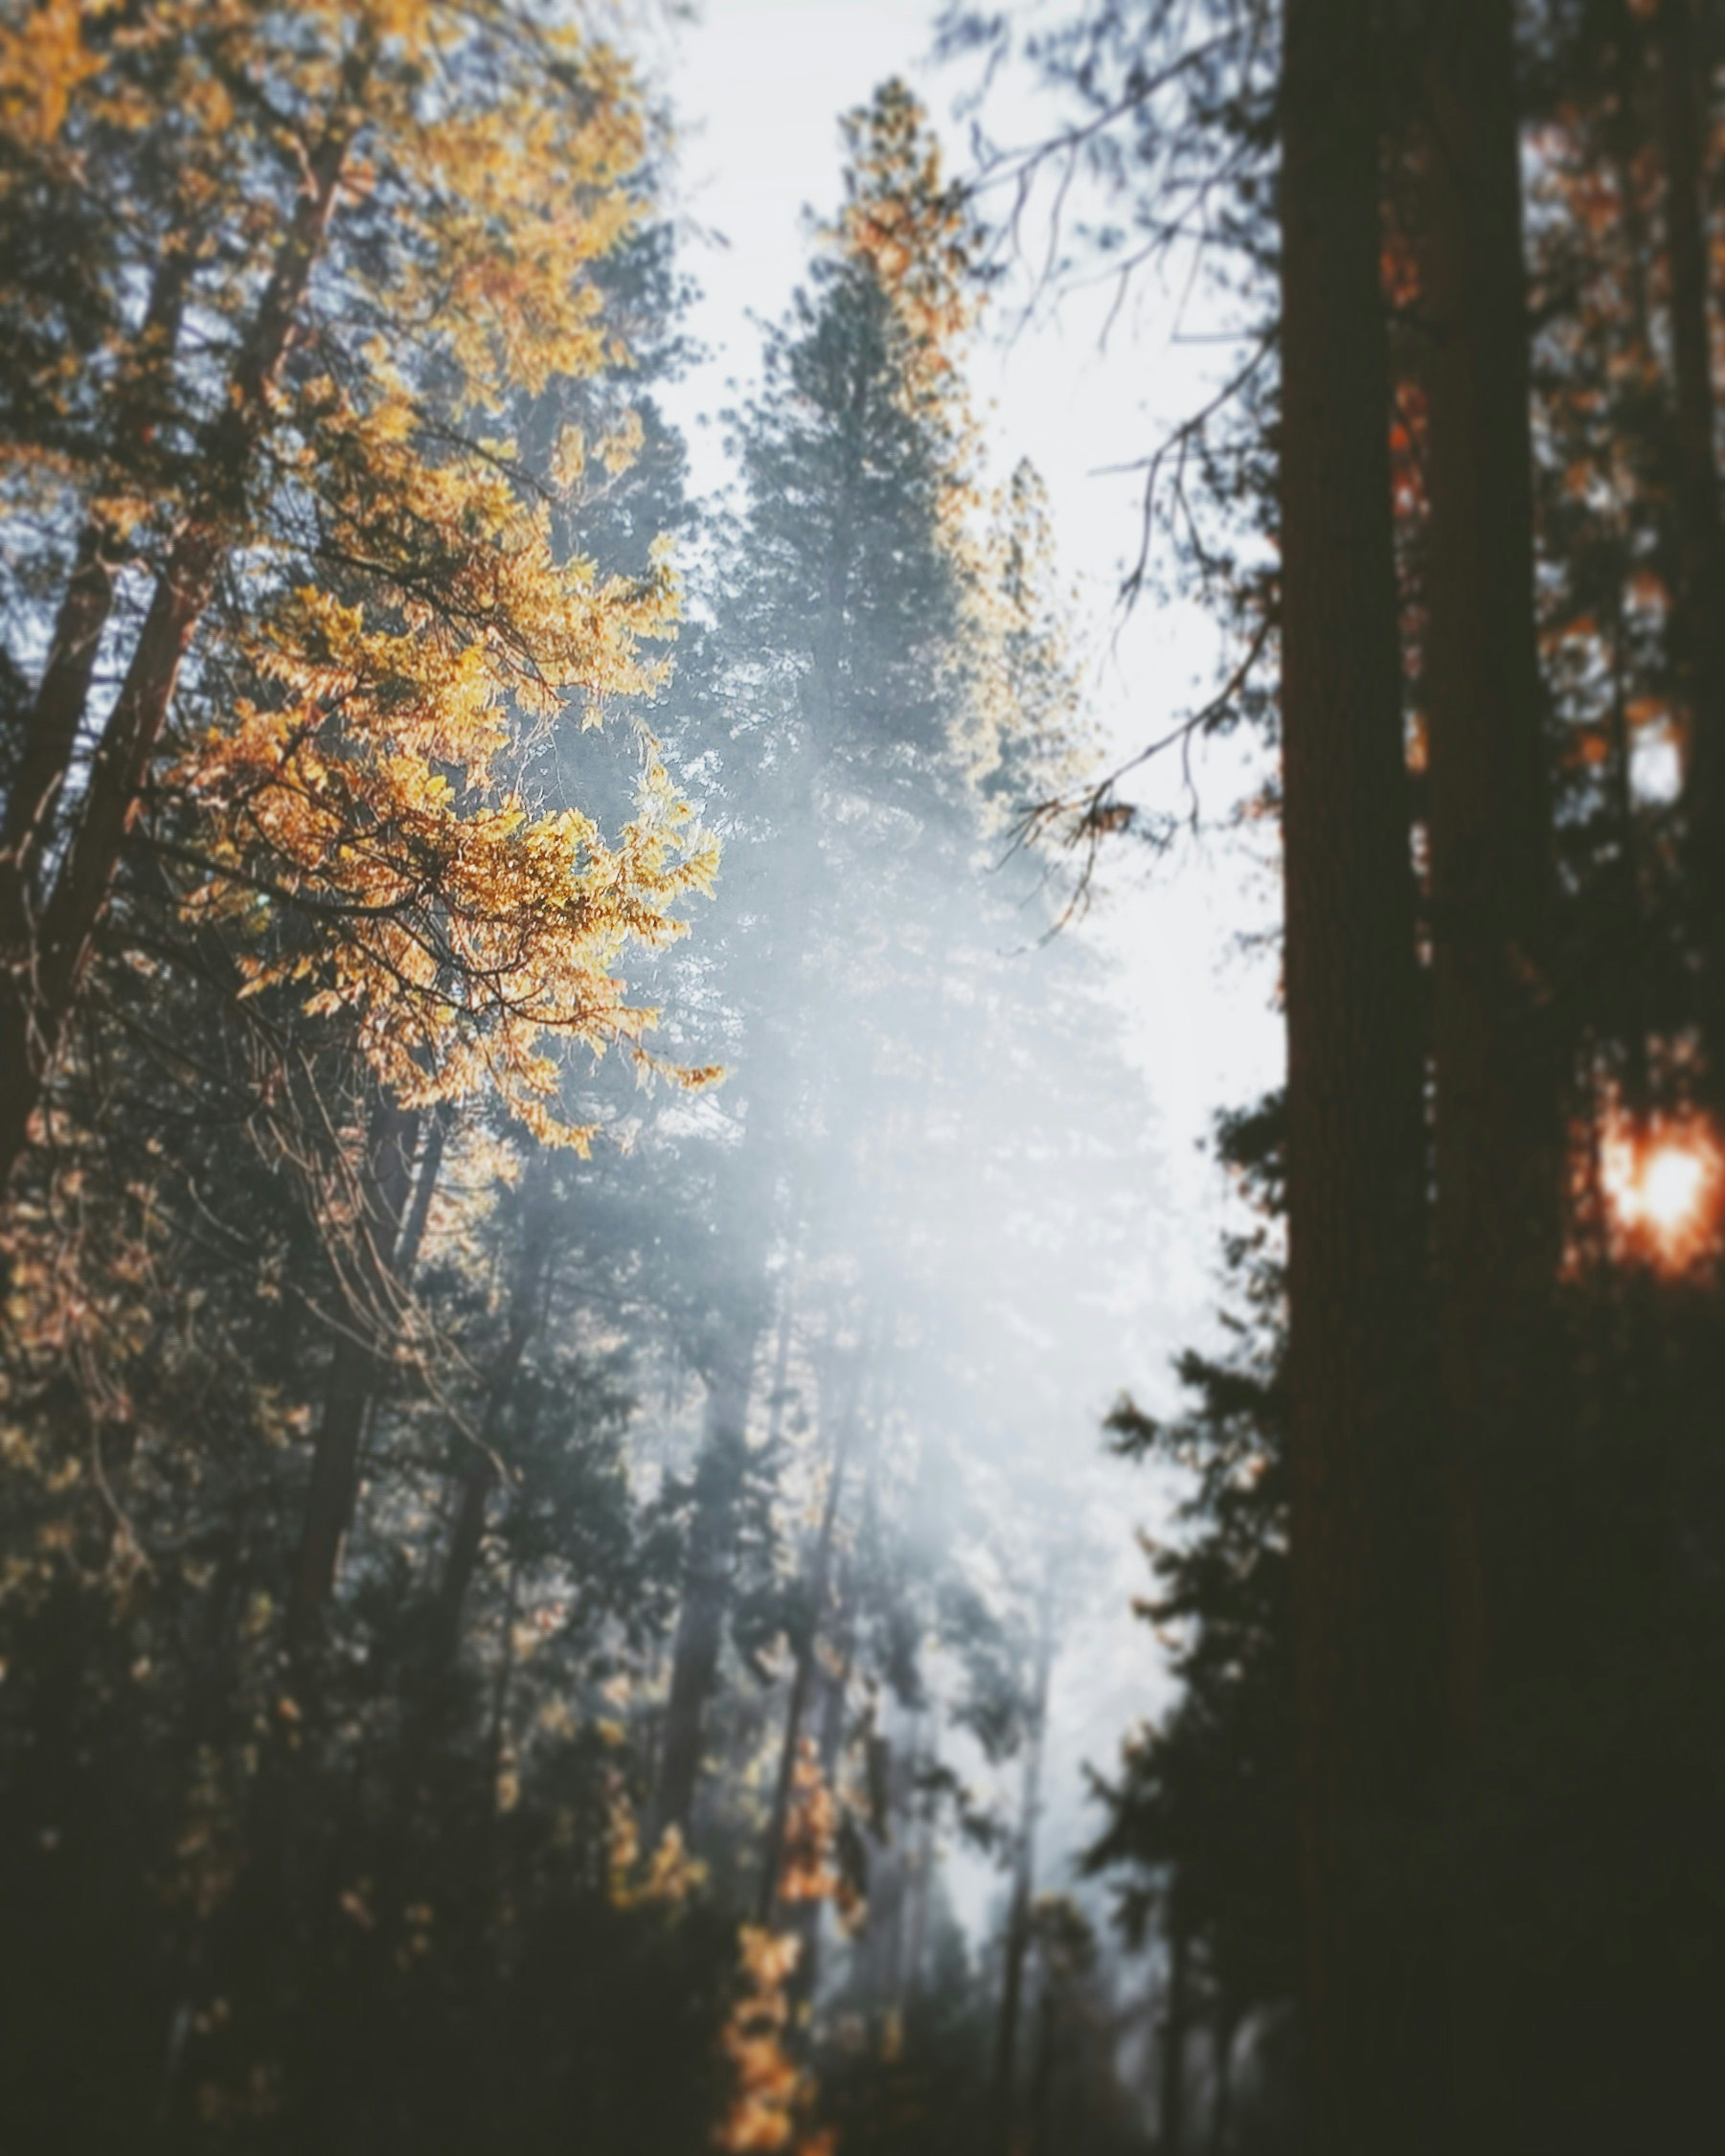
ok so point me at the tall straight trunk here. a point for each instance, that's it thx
(1684, 77)
(479, 1475)
(920, 1866)
(1221, 2073)
(1176, 2020)
(44, 968)
(819, 1579)
(63, 692)
(383, 1179)
(1498, 1146)
(424, 1190)
(1497, 1143)
(1356, 1228)
(1042, 2074)
(1023, 1881)
(748, 1209)
(706, 1583)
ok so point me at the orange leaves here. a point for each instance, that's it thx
(404, 636)
(770, 2094)
(808, 1873)
(43, 62)
(665, 1880)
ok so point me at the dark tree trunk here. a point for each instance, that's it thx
(424, 1188)
(64, 693)
(1498, 1151)
(1176, 2020)
(706, 1585)
(1024, 1882)
(1497, 1125)
(818, 1582)
(1042, 2074)
(1357, 1229)
(1700, 639)
(479, 1475)
(1221, 2094)
(383, 1177)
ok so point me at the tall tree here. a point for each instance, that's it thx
(401, 613)
(1498, 1148)
(1497, 1134)
(844, 633)
(1683, 33)
(1355, 1142)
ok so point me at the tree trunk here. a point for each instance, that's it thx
(1042, 2074)
(384, 1174)
(478, 1476)
(1498, 1148)
(706, 1584)
(1176, 2017)
(1700, 625)
(1356, 1231)
(1023, 1881)
(63, 692)
(44, 970)
(820, 1568)
(1221, 2095)
(1497, 1124)
(424, 1188)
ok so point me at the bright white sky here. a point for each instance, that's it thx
(758, 87)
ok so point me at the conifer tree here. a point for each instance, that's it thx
(341, 609)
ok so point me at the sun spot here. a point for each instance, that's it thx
(1665, 1186)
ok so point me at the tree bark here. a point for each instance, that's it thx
(706, 1584)
(384, 1175)
(1498, 1146)
(1357, 1229)
(44, 970)
(478, 1476)
(819, 1580)
(1023, 1881)
(1176, 2017)
(1680, 45)
(64, 693)
(1497, 1131)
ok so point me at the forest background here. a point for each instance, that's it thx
(621, 924)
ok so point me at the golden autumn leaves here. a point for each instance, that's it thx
(384, 630)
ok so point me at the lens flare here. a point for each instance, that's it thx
(1665, 1187)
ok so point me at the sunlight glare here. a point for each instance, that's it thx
(1665, 1190)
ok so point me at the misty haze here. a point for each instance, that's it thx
(862, 1078)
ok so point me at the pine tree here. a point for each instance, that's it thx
(338, 724)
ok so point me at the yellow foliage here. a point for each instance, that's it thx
(403, 634)
(770, 2096)
(665, 1880)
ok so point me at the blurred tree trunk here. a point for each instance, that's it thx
(34, 796)
(382, 1182)
(1356, 1228)
(1497, 1131)
(1024, 1877)
(1176, 2019)
(818, 1587)
(706, 1578)
(1499, 1155)
(1042, 2073)
(478, 1476)
(1223, 2032)
(1684, 79)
